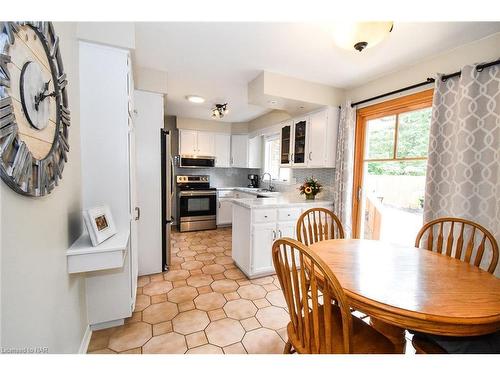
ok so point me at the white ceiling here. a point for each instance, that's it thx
(217, 60)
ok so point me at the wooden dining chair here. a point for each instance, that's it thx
(461, 239)
(449, 235)
(317, 326)
(318, 224)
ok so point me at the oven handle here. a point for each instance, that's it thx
(196, 193)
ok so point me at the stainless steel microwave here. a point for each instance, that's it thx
(195, 161)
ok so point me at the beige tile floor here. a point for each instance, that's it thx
(204, 304)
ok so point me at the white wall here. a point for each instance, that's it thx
(42, 306)
(483, 50)
(203, 125)
(118, 34)
(269, 119)
(150, 80)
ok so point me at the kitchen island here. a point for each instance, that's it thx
(258, 222)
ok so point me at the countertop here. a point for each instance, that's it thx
(274, 199)
(279, 202)
(254, 191)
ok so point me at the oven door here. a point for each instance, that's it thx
(197, 206)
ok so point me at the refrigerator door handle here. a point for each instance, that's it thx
(171, 178)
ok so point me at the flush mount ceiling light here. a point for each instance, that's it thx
(360, 35)
(195, 99)
(220, 110)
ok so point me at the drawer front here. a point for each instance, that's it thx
(289, 214)
(264, 216)
(225, 193)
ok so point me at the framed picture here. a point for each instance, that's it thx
(99, 223)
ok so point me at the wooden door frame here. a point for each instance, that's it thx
(406, 103)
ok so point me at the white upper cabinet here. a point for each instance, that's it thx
(286, 144)
(192, 142)
(239, 151)
(299, 148)
(188, 142)
(317, 150)
(206, 144)
(255, 152)
(222, 150)
(322, 138)
(310, 141)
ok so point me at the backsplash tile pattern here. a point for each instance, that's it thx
(221, 177)
(325, 176)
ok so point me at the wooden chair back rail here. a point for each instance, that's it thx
(297, 269)
(318, 224)
(469, 234)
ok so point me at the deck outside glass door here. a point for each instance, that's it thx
(391, 163)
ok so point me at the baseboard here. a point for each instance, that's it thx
(104, 325)
(85, 341)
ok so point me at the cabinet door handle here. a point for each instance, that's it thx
(219, 204)
(281, 234)
(138, 213)
(274, 235)
(310, 153)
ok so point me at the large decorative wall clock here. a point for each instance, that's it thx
(34, 114)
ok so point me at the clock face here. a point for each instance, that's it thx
(34, 114)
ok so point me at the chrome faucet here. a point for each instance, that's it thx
(270, 186)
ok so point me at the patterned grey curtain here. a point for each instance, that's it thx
(344, 167)
(463, 172)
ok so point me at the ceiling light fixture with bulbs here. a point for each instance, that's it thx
(219, 111)
(195, 99)
(360, 35)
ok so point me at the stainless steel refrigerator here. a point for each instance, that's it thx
(167, 194)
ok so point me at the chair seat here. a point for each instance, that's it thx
(424, 346)
(365, 339)
(435, 344)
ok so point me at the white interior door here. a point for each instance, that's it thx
(148, 123)
(134, 237)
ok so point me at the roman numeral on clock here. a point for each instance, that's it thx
(55, 48)
(65, 115)
(11, 28)
(4, 71)
(62, 81)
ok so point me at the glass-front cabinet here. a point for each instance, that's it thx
(286, 144)
(293, 143)
(299, 141)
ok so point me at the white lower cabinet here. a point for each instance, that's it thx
(255, 230)
(263, 236)
(224, 211)
(287, 229)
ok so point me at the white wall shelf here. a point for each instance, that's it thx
(83, 257)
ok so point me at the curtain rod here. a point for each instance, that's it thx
(479, 68)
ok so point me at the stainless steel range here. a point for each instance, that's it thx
(197, 203)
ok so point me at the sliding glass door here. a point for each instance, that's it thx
(390, 166)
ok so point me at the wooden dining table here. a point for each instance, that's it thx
(406, 288)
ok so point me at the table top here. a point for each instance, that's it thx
(414, 288)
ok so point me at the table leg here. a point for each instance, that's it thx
(394, 333)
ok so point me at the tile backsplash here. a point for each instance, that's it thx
(221, 177)
(325, 176)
